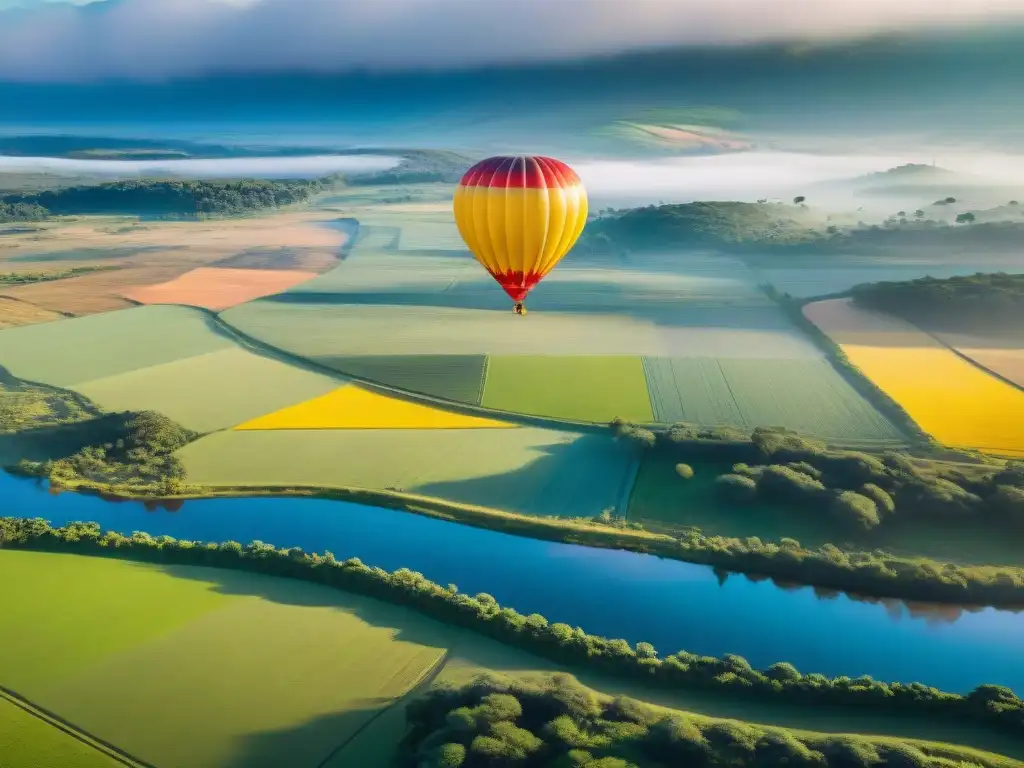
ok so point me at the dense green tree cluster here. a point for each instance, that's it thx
(124, 450)
(700, 224)
(171, 198)
(777, 227)
(554, 722)
(985, 302)
(860, 490)
(996, 706)
(13, 212)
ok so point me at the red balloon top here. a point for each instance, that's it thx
(520, 171)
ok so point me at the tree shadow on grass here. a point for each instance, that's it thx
(317, 742)
(568, 479)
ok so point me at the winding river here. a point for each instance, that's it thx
(671, 604)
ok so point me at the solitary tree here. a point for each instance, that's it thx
(798, 199)
(965, 218)
(918, 214)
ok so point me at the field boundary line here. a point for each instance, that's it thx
(82, 736)
(971, 361)
(276, 353)
(425, 679)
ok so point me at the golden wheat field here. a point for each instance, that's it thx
(353, 407)
(955, 402)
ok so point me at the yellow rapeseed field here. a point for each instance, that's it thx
(955, 402)
(352, 407)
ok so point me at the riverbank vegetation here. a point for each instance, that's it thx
(127, 452)
(984, 303)
(555, 721)
(997, 707)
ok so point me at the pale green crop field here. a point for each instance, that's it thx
(212, 391)
(532, 471)
(28, 742)
(275, 672)
(431, 236)
(578, 388)
(806, 395)
(80, 349)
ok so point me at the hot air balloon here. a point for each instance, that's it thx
(519, 216)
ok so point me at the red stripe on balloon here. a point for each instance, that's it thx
(516, 284)
(520, 172)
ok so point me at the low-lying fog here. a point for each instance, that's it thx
(310, 166)
(826, 180)
(829, 181)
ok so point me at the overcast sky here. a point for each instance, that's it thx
(52, 40)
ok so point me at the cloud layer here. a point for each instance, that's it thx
(156, 39)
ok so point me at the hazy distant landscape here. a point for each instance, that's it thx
(286, 481)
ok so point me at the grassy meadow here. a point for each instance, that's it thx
(578, 388)
(532, 471)
(87, 348)
(954, 401)
(355, 407)
(31, 742)
(225, 668)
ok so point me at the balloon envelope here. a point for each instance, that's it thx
(519, 216)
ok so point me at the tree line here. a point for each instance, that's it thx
(168, 198)
(778, 227)
(995, 706)
(554, 722)
(991, 302)
(11, 212)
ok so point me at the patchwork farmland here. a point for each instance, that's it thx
(954, 401)
(218, 287)
(164, 358)
(153, 257)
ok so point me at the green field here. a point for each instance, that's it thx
(276, 673)
(579, 388)
(442, 236)
(67, 613)
(806, 395)
(82, 349)
(209, 392)
(163, 358)
(533, 471)
(452, 377)
(29, 742)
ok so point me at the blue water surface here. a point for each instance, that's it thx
(637, 597)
